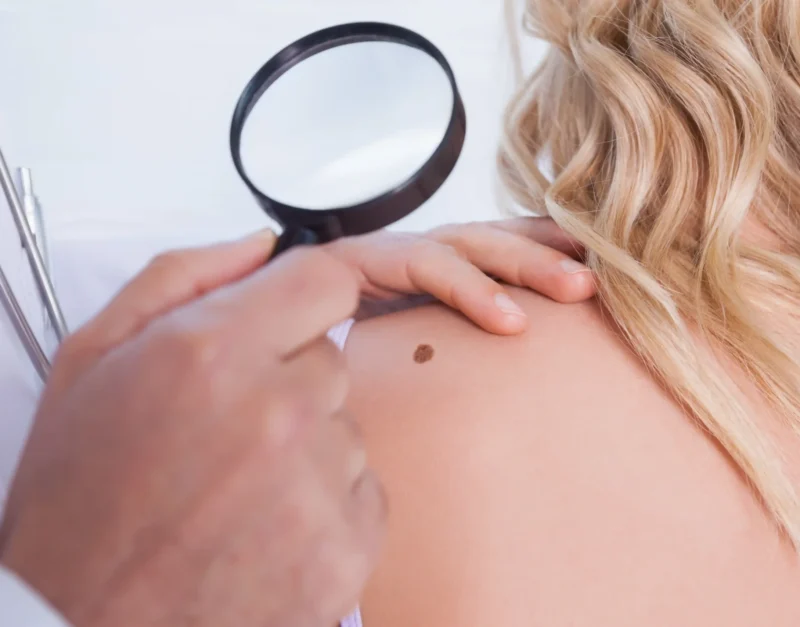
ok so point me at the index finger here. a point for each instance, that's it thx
(285, 305)
(542, 230)
(169, 281)
(173, 279)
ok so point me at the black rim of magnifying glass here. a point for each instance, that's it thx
(376, 213)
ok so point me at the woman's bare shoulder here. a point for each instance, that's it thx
(543, 477)
(431, 355)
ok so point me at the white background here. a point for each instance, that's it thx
(122, 107)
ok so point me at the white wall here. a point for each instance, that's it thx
(122, 107)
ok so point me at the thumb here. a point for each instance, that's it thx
(171, 280)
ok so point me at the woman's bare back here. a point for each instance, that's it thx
(548, 480)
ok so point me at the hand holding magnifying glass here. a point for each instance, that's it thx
(354, 127)
(163, 429)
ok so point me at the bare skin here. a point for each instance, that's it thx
(547, 480)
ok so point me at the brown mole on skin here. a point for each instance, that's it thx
(423, 353)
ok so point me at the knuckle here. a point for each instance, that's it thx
(471, 230)
(333, 358)
(426, 244)
(315, 386)
(315, 259)
(342, 552)
(353, 434)
(282, 415)
(322, 272)
(455, 239)
(341, 275)
(467, 230)
(333, 565)
(338, 380)
(187, 360)
(352, 455)
(355, 572)
(335, 587)
(429, 256)
(72, 357)
(191, 350)
(320, 358)
(72, 348)
(472, 233)
(341, 577)
(308, 258)
(331, 384)
(422, 249)
(455, 249)
(371, 498)
(168, 264)
(339, 389)
(457, 232)
(441, 233)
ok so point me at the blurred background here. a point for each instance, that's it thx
(122, 109)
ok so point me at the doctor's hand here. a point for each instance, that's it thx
(451, 264)
(191, 462)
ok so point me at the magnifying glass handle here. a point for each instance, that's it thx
(293, 236)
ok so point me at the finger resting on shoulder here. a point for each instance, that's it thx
(521, 261)
(552, 273)
(454, 280)
(543, 230)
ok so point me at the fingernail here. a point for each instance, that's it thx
(506, 305)
(570, 266)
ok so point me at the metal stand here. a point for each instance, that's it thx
(40, 275)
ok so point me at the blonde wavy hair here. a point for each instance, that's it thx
(672, 128)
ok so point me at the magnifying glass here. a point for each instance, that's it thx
(347, 130)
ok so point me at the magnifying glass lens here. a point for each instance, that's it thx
(347, 125)
(347, 130)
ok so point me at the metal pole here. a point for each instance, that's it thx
(40, 274)
(23, 329)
